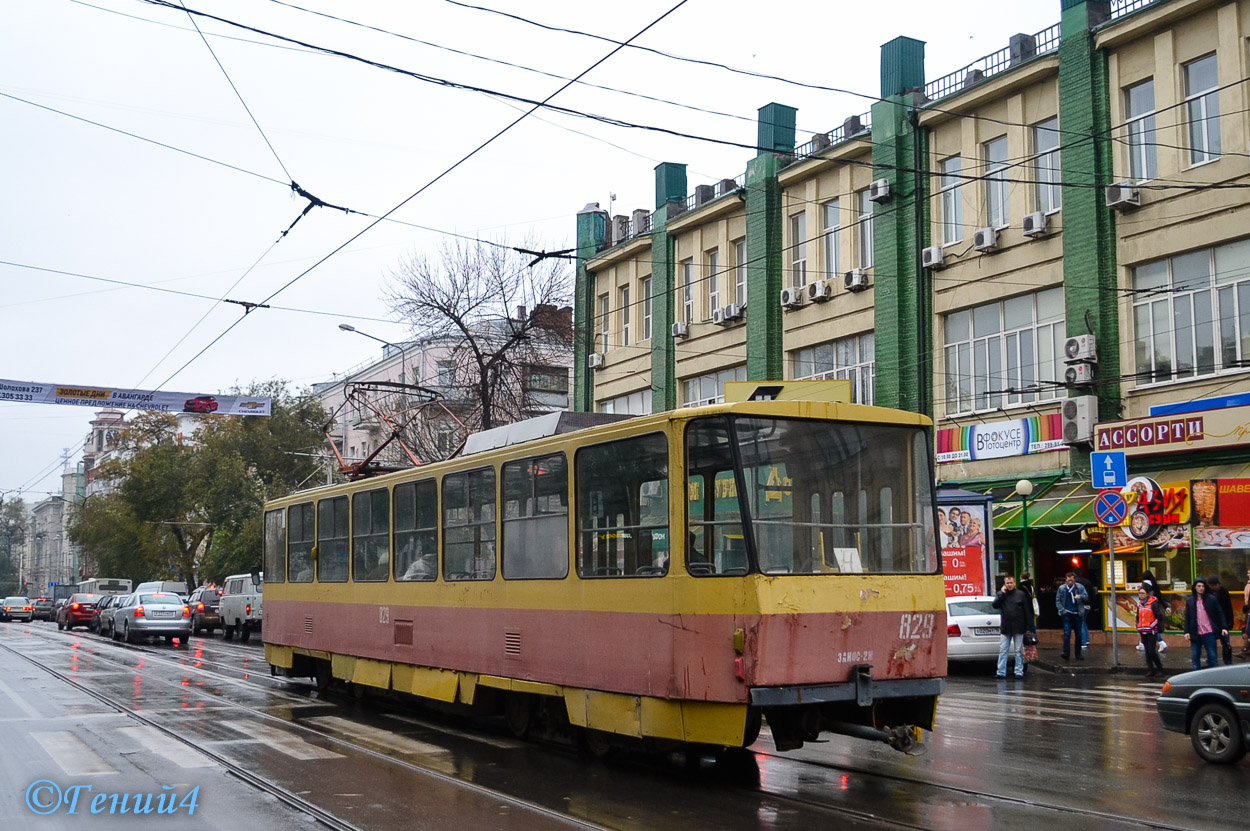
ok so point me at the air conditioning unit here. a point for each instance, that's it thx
(985, 239)
(1035, 224)
(681, 329)
(1078, 416)
(1081, 349)
(879, 190)
(932, 257)
(718, 316)
(855, 280)
(1079, 375)
(596, 360)
(732, 312)
(1123, 196)
(819, 292)
(792, 298)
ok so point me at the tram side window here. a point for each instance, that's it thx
(275, 546)
(536, 518)
(332, 540)
(469, 525)
(301, 536)
(714, 540)
(371, 535)
(416, 530)
(622, 508)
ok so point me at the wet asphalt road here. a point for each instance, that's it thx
(1086, 753)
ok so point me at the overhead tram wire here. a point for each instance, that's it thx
(420, 190)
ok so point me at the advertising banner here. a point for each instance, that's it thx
(1021, 437)
(961, 530)
(1203, 430)
(34, 392)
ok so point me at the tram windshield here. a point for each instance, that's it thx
(794, 496)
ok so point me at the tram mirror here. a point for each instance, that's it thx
(256, 576)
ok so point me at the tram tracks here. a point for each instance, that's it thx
(294, 800)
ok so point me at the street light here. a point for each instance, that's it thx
(347, 327)
(1025, 489)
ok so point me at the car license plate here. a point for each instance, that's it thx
(163, 614)
(985, 630)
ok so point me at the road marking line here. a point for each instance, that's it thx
(72, 754)
(26, 708)
(173, 750)
(282, 741)
(506, 744)
(376, 735)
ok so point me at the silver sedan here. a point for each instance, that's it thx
(144, 614)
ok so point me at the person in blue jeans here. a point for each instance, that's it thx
(1072, 600)
(1204, 624)
(1015, 609)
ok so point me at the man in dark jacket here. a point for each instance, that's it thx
(1204, 624)
(1226, 606)
(1016, 610)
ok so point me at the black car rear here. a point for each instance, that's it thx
(43, 608)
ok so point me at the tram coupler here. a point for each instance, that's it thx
(904, 738)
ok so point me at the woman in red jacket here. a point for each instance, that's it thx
(1149, 618)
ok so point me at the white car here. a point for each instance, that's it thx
(242, 605)
(971, 629)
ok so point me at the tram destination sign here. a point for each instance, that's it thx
(78, 395)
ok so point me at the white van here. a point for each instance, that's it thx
(168, 586)
(241, 605)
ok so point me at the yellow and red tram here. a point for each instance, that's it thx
(680, 576)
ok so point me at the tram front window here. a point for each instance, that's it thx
(821, 498)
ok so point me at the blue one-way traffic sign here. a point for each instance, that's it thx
(1109, 469)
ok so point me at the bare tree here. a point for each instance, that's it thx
(501, 316)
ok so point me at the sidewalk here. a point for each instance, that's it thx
(1097, 657)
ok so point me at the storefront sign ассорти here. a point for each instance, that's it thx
(1208, 429)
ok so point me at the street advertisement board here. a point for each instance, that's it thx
(964, 538)
(1000, 439)
(35, 392)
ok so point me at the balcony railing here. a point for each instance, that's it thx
(853, 127)
(704, 194)
(979, 70)
(1120, 8)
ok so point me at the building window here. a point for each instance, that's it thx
(713, 279)
(952, 201)
(833, 223)
(710, 388)
(1139, 111)
(687, 291)
(1046, 165)
(646, 308)
(1202, 109)
(625, 316)
(1192, 313)
(635, 403)
(850, 359)
(997, 213)
(740, 272)
(446, 371)
(864, 221)
(604, 311)
(798, 250)
(1005, 353)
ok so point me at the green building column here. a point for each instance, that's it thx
(1086, 159)
(765, 218)
(592, 230)
(670, 201)
(902, 291)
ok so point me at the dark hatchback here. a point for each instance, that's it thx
(43, 608)
(1213, 707)
(205, 603)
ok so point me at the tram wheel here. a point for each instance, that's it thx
(518, 711)
(594, 744)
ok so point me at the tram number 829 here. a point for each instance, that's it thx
(916, 626)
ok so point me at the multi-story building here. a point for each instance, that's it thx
(1050, 239)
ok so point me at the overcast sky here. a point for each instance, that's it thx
(75, 197)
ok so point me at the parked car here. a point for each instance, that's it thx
(972, 629)
(104, 620)
(1212, 707)
(102, 609)
(43, 608)
(241, 605)
(17, 608)
(205, 603)
(152, 614)
(78, 609)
